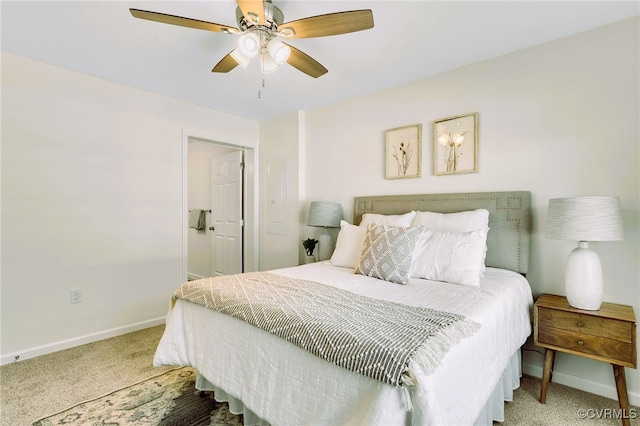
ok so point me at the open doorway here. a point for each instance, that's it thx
(219, 244)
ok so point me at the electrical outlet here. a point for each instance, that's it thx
(76, 295)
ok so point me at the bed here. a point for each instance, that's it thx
(271, 380)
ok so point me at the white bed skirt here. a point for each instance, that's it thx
(492, 411)
(510, 381)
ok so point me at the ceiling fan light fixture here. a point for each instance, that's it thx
(241, 59)
(278, 51)
(249, 44)
(267, 64)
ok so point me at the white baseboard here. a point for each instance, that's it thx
(580, 383)
(77, 341)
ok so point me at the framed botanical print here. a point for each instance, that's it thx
(402, 152)
(455, 145)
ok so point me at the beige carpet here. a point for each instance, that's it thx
(38, 387)
(564, 406)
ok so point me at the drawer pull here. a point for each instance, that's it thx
(580, 323)
(580, 343)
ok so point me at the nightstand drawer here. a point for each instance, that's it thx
(614, 351)
(586, 324)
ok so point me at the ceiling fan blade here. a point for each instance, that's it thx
(226, 64)
(328, 25)
(305, 63)
(183, 22)
(252, 10)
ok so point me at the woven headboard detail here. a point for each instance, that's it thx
(509, 219)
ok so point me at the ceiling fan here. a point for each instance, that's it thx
(261, 25)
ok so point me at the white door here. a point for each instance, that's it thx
(226, 214)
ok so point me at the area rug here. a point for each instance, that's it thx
(167, 399)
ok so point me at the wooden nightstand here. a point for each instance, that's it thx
(608, 335)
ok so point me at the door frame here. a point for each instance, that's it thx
(250, 196)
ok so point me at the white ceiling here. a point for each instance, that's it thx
(411, 40)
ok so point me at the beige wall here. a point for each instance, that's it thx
(560, 119)
(92, 192)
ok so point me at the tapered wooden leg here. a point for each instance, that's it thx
(623, 397)
(549, 358)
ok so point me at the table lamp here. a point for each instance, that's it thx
(584, 219)
(326, 214)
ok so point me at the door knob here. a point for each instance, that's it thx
(211, 228)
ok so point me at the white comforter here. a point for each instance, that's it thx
(285, 385)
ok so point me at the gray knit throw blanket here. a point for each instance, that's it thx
(373, 337)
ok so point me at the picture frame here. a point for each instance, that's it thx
(455, 144)
(403, 152)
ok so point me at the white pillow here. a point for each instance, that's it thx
(453, 257)
(467, 221)
(348, 245)
(388, 219)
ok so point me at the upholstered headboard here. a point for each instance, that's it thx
(509, 219)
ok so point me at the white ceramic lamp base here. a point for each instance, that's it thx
(583, 278)
(326, 245)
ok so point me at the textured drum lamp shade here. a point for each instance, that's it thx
(326, 214)
(584, 219)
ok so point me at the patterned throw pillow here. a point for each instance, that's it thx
(386, 253)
